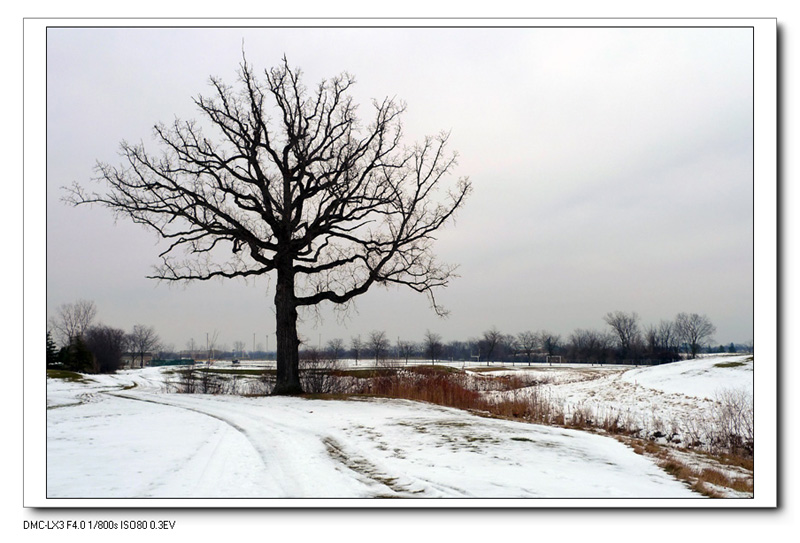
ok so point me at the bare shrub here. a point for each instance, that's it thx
(733, 420)
(187, 381)
(208, 381)
(205, 380)
(266, 383)
(260, 386)
(696, 430)
(318, 373)
(611, 422)
(581, 417)
(631, 423)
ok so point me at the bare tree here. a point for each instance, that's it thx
(356, 345)
(166, 350)
(378, 344)
(549, 341)
(667, 336)
(405, 349)
(651, 339)
(212, 341)
(508, 347)
(191, 346)
(238, 347)
(433, 344)
(694, 331)
(661, 341)
(491, 339)
(72, 320)
(294, 184)
(626, 327)
(142, 340)
(528, 343)
(590, 345)
(335, 348)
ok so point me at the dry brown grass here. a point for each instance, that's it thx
(708, 481)
(701, 488)
(677, 469)
(710, 476)
(453, 390)
(736, 461)
(645, 448)
(713, 476)
(428, 385)
(716, 477)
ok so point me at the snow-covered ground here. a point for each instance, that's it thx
(669, 399)
(123, 436)
(701, 378)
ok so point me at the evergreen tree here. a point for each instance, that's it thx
(77, 356)
(52, 352)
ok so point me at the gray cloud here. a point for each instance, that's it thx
(612, 170)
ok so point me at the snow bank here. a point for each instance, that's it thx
(699, 377)
(109, 440)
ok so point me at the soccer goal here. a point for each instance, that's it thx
(554, 358)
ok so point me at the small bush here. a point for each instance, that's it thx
(208, 380)
(734, 423)
(317, 374)
(581, 418)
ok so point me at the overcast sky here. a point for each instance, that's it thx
(612, 170)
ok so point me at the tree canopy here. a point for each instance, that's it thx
(292, 182)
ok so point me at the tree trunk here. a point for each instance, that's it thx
(288, 378)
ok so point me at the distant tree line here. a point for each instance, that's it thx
(76, 343)
(82, 346)
(624, 340)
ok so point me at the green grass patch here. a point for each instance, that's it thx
(489, 369)
(367, 373)
(432, 369)
(68, 376)
(230, 371)
(729, 364)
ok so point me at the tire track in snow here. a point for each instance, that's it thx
(401, 486)
(261, 453)
(281, 448)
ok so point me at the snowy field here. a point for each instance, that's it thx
(669, 399)
(123, 436)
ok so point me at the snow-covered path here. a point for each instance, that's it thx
(106, 440)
